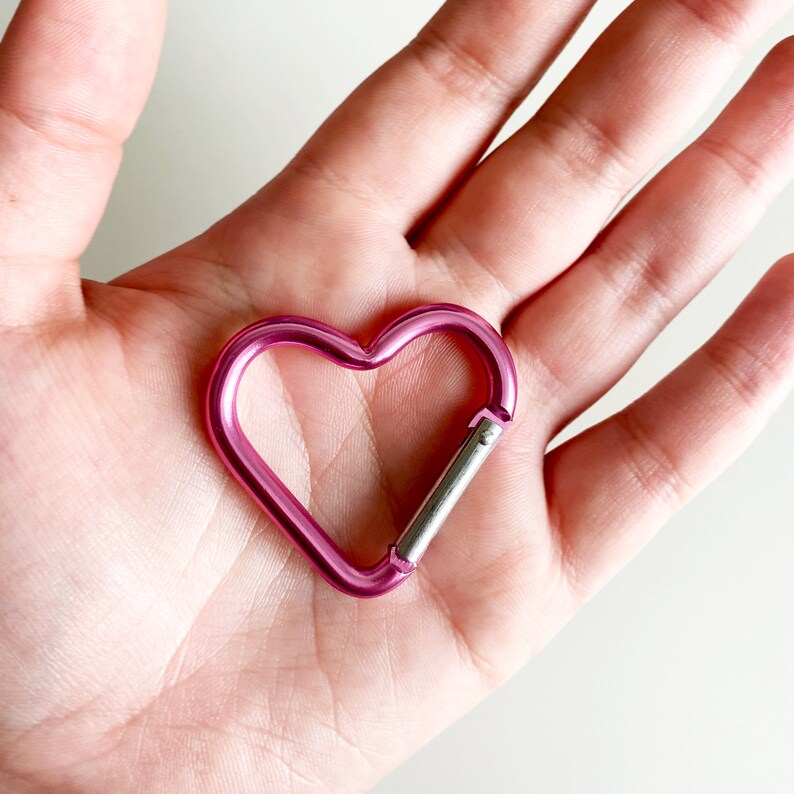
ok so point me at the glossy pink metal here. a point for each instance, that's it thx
(267, 489)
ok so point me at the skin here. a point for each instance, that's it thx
(157, 633)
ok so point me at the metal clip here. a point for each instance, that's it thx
(280, 503)
(427, 521)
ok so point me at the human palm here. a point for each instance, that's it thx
(158, 632)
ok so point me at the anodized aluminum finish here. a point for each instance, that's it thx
(277, 500)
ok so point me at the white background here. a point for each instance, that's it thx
(679, 677)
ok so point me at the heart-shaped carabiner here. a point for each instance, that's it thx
(278, 501)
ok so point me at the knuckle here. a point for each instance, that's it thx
(585, 148)
(651, 465)
(750, 170)
(724, 20)
(640, 282)
(68, 132)
(460, 71)
(746, 373)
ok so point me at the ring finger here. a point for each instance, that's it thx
(662, 249)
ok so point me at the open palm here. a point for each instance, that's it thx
(158, 632)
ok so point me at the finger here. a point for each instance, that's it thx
(405, 136)
(532, 207)
(74, 75)
(662, 249)
(612, 487)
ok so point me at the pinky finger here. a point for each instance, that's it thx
(614, 485)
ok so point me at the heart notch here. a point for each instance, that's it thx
(485, 429)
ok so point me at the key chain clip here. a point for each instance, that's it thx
(485, 429)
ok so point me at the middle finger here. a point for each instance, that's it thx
(536, 203)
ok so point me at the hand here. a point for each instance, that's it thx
(158, 633)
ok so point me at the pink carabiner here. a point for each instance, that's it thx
(277, 500)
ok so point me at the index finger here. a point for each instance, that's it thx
(411, 130)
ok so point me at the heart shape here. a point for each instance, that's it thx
(278, 501)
